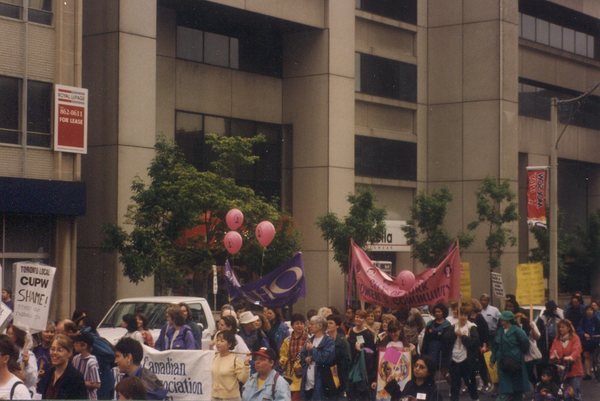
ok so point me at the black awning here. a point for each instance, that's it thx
(22, 195)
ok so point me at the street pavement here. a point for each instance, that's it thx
(590, 391)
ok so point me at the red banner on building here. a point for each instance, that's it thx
(537, 181)
(434, 285)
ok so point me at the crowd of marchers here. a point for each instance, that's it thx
(323, 355)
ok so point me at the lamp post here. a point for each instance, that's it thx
(555, 139)
(553, 274)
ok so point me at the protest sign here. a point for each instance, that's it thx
(438, 284)
(394, 363)
(33, 289)
(465, 281)
(530, 284)
(497, 285)
(185, 374)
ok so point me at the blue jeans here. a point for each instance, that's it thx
(575, 383)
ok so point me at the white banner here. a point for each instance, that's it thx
(33, 289)
(185, 374)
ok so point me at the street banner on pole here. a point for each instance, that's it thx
(537, 182)
(530, 284)
(33, 289)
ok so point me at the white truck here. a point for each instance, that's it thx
(154, 308)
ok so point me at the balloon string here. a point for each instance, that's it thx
(262, 261)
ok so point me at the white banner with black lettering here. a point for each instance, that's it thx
(33, 289)
(185, 374)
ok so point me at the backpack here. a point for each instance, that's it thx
(12, 389)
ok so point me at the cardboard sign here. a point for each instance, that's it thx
(497, 285)
(530, 284)
(33, 290)
(394, 362)
(465, 281)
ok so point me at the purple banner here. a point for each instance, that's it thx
(282, 286)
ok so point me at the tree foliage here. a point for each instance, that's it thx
(364, 223)
(177, 220)
(496, 207)
(425, 231)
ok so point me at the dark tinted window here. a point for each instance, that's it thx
(264, 176)
(388, 78)
(39, 106)
(534, 101)
(40, 11)
(385, 158)
(11, 8)
(9, 110)
(259, 52)
(402, 10)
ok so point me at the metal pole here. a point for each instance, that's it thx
(553, 276)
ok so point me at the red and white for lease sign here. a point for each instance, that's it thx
(70, 119)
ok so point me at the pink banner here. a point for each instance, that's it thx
(434, 285)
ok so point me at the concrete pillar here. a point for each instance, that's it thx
(120, 73)
(318, 99)
(473, 113)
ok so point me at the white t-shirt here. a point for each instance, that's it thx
(310, 372)
(21, 391)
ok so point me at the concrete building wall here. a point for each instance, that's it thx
(472, 119)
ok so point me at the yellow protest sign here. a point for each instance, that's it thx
(465, 281)
(530, 284)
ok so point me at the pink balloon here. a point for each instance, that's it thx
(233, 242)
(234, 219)
(265, 232)
(405, 279)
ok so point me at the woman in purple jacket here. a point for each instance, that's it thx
(176, 334)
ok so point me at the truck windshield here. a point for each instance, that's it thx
(154, 311)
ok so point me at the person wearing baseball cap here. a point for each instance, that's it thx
(266, 383)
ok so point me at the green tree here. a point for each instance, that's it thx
(425, 231)
(580, 267)
(176, 220)
(541, 253)
(496, 207)
(364, 223)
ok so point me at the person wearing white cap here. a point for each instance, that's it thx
(254, 338)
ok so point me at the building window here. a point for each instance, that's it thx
(262, 54)
(385, 158)
(39, 109)
(387, 78)
(40, 11)
(264, 176)
(9, 110)
(402, 10)
(534, 101)
(39, 106)
(558, 36)
(23, 237)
